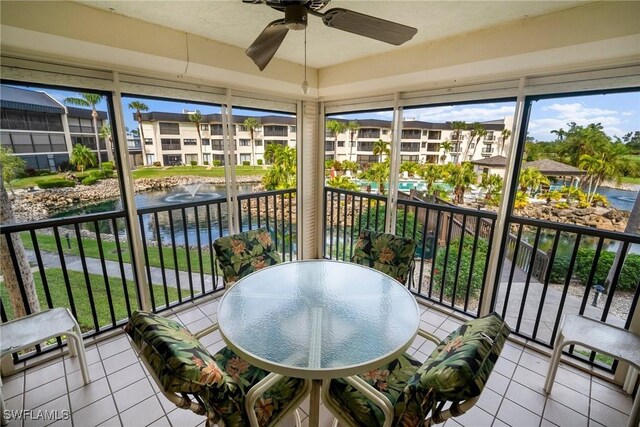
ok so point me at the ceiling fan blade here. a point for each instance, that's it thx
(267, 43)
(368, 26)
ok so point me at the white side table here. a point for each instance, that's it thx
(36, 328)
(603, 338)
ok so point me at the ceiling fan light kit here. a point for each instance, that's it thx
(295, 18)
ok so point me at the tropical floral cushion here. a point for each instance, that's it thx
(221, 381)
(457, 370)
(244, 253)
(390, 379)
(390, 254)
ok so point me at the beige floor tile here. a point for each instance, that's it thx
(515, 415)
(96, 413)
(88, 394)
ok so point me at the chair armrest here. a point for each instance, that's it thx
(375, 396)
(434, 339)
(206, 331)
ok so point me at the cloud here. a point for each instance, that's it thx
(468, 114)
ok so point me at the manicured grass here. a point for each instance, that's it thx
(159, 172)
(30, 181)
(80, 293)
(629, 180)
(90, 247)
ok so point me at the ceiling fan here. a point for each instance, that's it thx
(295, 18)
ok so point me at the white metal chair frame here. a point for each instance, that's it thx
(380, 400)
(184, 401)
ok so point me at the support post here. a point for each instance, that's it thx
(394, 167)
(230, 167)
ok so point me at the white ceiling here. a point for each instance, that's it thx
(238, 24)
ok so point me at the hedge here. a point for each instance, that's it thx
(90, 180)
(217, 163)
(246, 163)
(479, 263)
(55, 183)
(98, 174)
(629, 276)
(194, 163)
(259, 161)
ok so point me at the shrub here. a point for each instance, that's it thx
(107, 174)
(217, 163)
(55, 183)
(97, 174)
(465, 268)
(206, 163)
(562, 205)
(90, 180)
(259, 162)
(157, 164)
(107, 166)
(44, 172)
(629, 276)
(246, 163)
(194, 163)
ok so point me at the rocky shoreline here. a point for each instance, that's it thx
(602, 218)
(40, 204)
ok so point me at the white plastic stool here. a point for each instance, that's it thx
(36, 328)
(603, 338)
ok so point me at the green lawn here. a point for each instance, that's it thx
(629, 180)
(47, 243)
(30, 181)
(158, 172)
(59, 297)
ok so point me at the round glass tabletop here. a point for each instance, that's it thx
(318, 319)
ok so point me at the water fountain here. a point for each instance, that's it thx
(191, 195)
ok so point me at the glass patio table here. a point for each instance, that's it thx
(317, 320)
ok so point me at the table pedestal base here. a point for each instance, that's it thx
(314, 404)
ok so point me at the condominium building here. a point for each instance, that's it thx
(42, 131)
(171, 138)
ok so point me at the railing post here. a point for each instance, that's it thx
(128, 197)
(493, 275)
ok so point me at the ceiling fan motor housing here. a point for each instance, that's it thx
(295, 17)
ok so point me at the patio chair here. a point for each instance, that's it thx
(407, 393)
(388, 253)
(243, 253)
(220, 386)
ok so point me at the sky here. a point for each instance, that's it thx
(618, 113)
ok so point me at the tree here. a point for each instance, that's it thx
(492, 184)
(411, 168)
(632, 140)
(378, 172)
(82, 156)
(352, 127)
(336, 127)
(139, 107)
(477, 132)
(379, 148)
(91, 100)
(12, 166)
(460, 177)
(343, 183)
(196, 117)
(446, 148)
(480, 132)
(504, 136)
(458, 127)
(9, 274)
(105, 133)
(632, 227)
(251, 124)
(283, 173)
(531, 179)
(348, 165)
(579, 140)
(431, 173)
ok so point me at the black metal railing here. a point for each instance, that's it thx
(85, 263)
(453, 244)
(557, 269)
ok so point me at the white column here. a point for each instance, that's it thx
(128, 196)
(230, 168)
(394, 167)
(500, 227)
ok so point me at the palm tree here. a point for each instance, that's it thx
(82, 156)
(431, 173)
(531, 179)
(105, 133)
(458, 127)
(348, 165)
(592, 165)
(560, 134)
(251, 124)
(379, 148)
(460, 177)
(378, 172)
(352, 127)
(480, 132)
(196, 117)
(7, 269)
(12, 166)
(343, 183)
(89, 100)
(446, 147)
(139, 107)
(492, 184)
(411, 168)
(283, 173)
(504, 135)
(336, 127)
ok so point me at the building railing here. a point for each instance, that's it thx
(85, 263)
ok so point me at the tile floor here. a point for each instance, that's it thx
(121, 394)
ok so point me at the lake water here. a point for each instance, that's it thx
(619, 199)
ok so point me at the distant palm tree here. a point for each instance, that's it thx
(336, 127)
(458, 127)
(251, 123)
(139, 107)
(480, 132)
(460, 177)
(196, 117)
(504, 136)
(82, 156)
(380, 147)
(89, 100)
(431, 173)
(105, 133)
(531, 179)
(352, 127)
(378, 172)
(446, 147)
